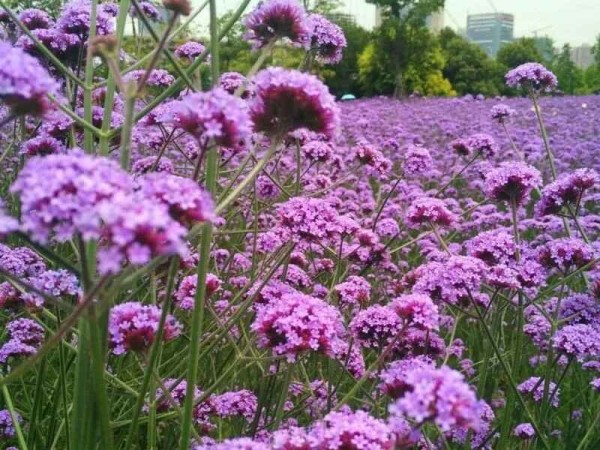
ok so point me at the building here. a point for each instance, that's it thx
(582, 56)
(342, 18)
(435, 22)
(490, 31)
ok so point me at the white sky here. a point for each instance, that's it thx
(574, 21)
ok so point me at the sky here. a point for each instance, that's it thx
(567, 21)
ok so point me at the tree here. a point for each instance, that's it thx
(596, 51)
(398, 36)
(519, 52)
(570, 77)
(468, 67)
(343, 77)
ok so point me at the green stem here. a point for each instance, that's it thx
(13, 416)
(544, 133)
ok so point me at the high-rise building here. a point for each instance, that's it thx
(435, 22)
(490, 31)
(582, 56)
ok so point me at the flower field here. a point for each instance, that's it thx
(258, 266)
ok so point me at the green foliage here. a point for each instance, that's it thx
(343, 78)
(52, 7)
(596, 51)
(570, 77)
(468, 67)
(413, 12)
(591, 77)
(519, 52)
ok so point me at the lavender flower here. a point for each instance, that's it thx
(392, 378)
(566, 254)
(148, 9)
(8, 224)
(355, 291)
(501, 112)
(190, 50)
(26, 331)
(524, 431)
(317, 151)
(578, 341)
(416, 160)
(535, 387)
(277, 19)
(143, 166)
(7, 427)
(185, 294)
(75, 19)
(236, 403)
(42, 145)
(427, 210)
(35, 19)
(132, 326)
(417, 310)
(232, 81)
(158, 78)
(15, 349)
(287, 100)
(376, 327)
(567, 191)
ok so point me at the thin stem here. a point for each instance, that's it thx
(13, 416)
(543, 131)
(457, 174)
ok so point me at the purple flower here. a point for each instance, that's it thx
(393, 377)
(369, 155)
(132, 326)
(21, 261)
(232, 81)
(143, 166)
(351, 430)
(417, 310)
(287, 100)
(328, 40)
(65, 46)
(7, 427)
(60, 194)
(136, 230)
(75, 19)
(309, 219)
(26, 331)
(501, 112)
(242, 443)
(376, 327)
(535, 387)
(441, 396)
(416, 160)
(56, 283)
(159, 78)
(42, 145)
(277, 19)
(190, 50)
(34, 19)
(481, 144)
(215, 115)
(532, 75)
(235, 403)
(186, 201)
(524, 431)
(148, 9)
(298, 323)
(566, 254)
(511, 181)
(492, 247)
(16, 349)
(185, 294)
(175, 396)
(426, 210)
(355, 291)
(24, 82)
(566, 191)
(578, 341)
(317, 151)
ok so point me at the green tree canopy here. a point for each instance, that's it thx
(519, 52)
(570, 77)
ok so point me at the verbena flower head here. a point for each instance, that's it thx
(426, 210)
(186, 201)
(63, 45)
(441, 396)
(277, 19)
(578, 341)
(242, 443)
(235, 403)
(481, 144)
(327, 41)
(34, 19)
(524, 431)
(185, 294)
(143, 166)
(27, 331)
(175, 395)
(7, 427)
(417, 310)
(501, 112)
(367, 154)
(287, 100)
(148, 9)
(75, 19)
(298, 323)
(317, 151)
(354, 291)
(24, 82)
(535, 387)
(532, 76)
(392, 378)
(190, 50)
(511, 181)
(21, 261)
(232, 81)
(309, 219)
(136, 230)
(567, 191)
(57, 283)
(215, 115)
(42, 145)
(159, 78)
(376, 327)
(416, 160)
(132, 326)
(351, 431)
(566, 254)
(492, 247)
(60, 193)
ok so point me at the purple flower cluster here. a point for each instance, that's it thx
(25, 337)
(426, 210)
(7, 427)
(232, 81)
(133, 326)
(190, 50)
(532, 75)
(327, 41)
(512, 182)
(567, 191)
(416, 160)
(185, 294)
